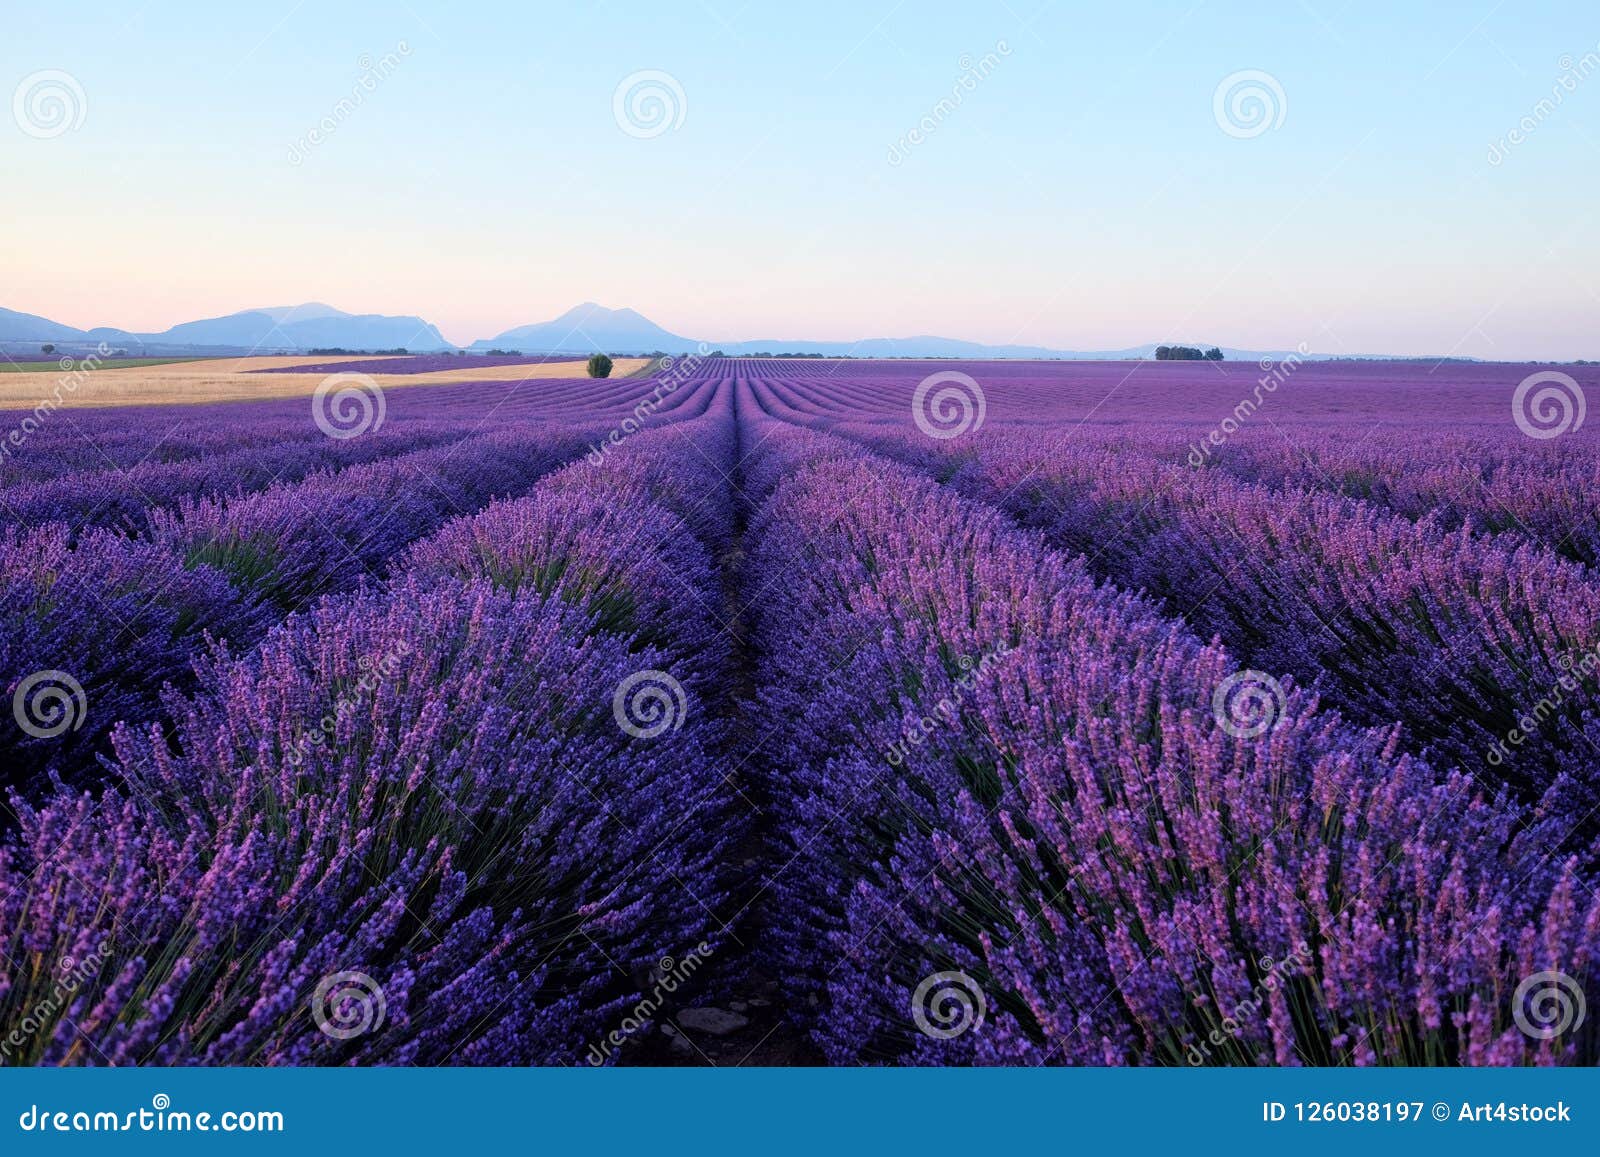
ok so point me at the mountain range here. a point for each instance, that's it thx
(291, 327)
(584, 329)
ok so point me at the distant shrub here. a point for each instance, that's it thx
(49, 349)
(599, 366)
(1182, 353)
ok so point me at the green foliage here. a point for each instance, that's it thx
(599, 366)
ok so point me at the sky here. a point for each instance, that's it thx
(1067, 175)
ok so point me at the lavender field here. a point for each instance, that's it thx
(810, 712)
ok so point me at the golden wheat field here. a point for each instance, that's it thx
(235, 379)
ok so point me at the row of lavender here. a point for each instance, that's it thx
(1483, 646)
(51, 442)
(1037, 801)
(413, 806)
(1445, 445)
(118, 576)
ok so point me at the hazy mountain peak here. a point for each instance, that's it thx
(593, 311)
(306, 311)
(588, 328)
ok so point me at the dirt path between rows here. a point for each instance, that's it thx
(738, 1017)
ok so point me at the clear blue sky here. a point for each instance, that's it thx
(1082, 195)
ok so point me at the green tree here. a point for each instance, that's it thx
(599, 366)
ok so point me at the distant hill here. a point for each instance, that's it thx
(305, 327)
(296, 327)
(20, 327)
(590, 328)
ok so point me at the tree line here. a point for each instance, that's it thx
(1187, 353)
